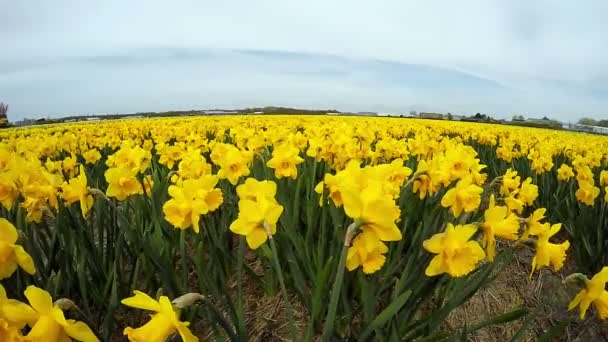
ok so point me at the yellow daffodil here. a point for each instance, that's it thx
(594, 292)
(465, 196)
(604, 178)
(284, 161)
(528, 192)
(233, 164)
(91, 156)
(366, 251)
(373, 209)
(510, 182)
(564, 172)
(258, 211)
(255, 190)
(498, 222)
(533, 224)
(130, 158)
(191, 199)
(11, 254)
(587, 193)
(549, 254)
(456, 254)
(8, 189)
(76, 190)
(46, 319)
(163, 323)
(252, 217)
(423, 183)
(122, 183)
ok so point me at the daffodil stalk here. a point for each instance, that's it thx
(337, 287)
(277, 266)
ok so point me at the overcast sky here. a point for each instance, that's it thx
(533, 58)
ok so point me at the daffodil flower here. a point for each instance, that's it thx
(46, 319)
(163, 323)
(594, 293)
(456, 254)
(76, 190)
(498, 221)
(11, 254)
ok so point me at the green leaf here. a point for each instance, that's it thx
(385, 315)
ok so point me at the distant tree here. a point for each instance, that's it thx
(3, 111)
(413, 113)
(450, 116)
(587, 121)
(603, 123)
(518, 118)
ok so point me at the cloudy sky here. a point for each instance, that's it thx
(67, 57)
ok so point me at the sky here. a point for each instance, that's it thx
(535, 58)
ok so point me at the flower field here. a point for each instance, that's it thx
(369, 228)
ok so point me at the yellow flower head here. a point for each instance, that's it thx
(564, 172)
(465, 196)
(533, 224)
(76, 190)
(549, 254)
(256, 190)
(284, 161)
(46, 319)
(594, 292)
(366, 251)
(11, 254)
(91, 156)
(123, 182)
(128, 157)
(584, 174)
(423, 182)
(191, 199)
(456, 255)
(587, 193)
(604, 178)
(374, 209)
(162, 324)
(8, 189)
(498, 221)
(510, 182)
(232, 162)
(69, 164)
(252, 217)
(528, 192)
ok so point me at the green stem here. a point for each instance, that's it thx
(328, 328)
(242, 330)
(277, 266)
(182, 252)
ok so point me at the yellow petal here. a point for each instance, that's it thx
(242, 227)
(24, 260)
(19, 313)
(8, 233)
(576, 300)
(186, 334)
(256, 238)
(141, 301)
(40, 300)
(435, 267)
(434, 244)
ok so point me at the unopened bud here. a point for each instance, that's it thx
(187, 300)
(65, 304)
(577, 278)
